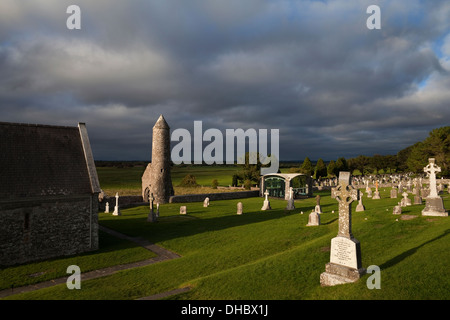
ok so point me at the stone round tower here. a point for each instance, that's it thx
(156, 178)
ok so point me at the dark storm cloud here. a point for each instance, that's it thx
(309, 68)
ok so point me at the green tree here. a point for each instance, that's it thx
(214, 184)
(189, 181)
(390, 162)
(437, 145)
(307, 167)
(331, 169)
(418, 158)
(362, 162)
(234, 180)
(402, 158)
(321, 169)
(352, 166)
(377, 162)
(249, 170)
(341, 165)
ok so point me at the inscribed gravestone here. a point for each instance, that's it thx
(345, 254)
(360, 207)
(314, 218)
(434, 205)
(239, 208)
(290, 202)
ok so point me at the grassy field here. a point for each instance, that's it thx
(272, 254)
(127, 180)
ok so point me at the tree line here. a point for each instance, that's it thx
(411, 159)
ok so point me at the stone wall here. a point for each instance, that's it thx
(45, 228)
(124, 202)
(213, 196)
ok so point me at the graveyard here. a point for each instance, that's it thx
(259, 254)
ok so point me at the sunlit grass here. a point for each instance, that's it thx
(273, 254)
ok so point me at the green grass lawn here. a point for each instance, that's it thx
(127, 180)
(113, 251)
(273, 254)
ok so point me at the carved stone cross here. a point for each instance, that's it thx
(266, 194)
(345, 194)
(432, 169)
(151, 199)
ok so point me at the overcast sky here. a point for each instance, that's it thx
(311, 69)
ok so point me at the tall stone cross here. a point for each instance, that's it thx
(345, 194)
(152, 217)
(345, 252)
(151, 199)
(266, 194)
(431, 169)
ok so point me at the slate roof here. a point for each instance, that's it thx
(41, 160)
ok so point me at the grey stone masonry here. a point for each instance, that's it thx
(49, 205)
(157, 175)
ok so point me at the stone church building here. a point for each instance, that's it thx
(48, 192)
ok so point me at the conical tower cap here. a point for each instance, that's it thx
(161, 123)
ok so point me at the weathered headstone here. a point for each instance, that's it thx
(369, 193)
(116, 208)
(239, 208)
(290, 202)
(408, 186)
(345, 255)
(417, 197)
(397, 209)
(206, 202)
(394, 193)
(376, 194)
(314, 218)
(107, 207)
(318, 208)
(151, 215)
(405, 201)
(434, 206)
(266, 204)
(360, 207)
(183, 210)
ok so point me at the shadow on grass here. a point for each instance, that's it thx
(410, 252)
(330, 222)
(178, 228)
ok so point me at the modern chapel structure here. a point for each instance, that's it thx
(278, 185)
